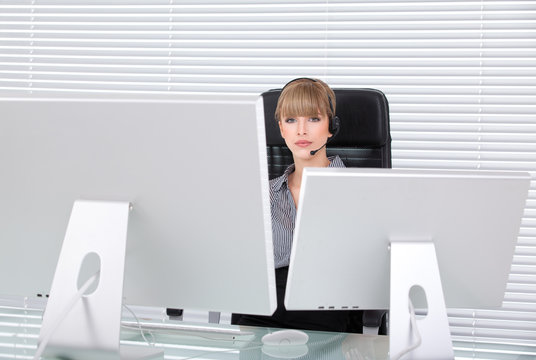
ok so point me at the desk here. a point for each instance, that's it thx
(19, 331)
(320, 346)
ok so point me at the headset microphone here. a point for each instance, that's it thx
(317, 150)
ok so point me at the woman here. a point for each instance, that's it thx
(306, 116)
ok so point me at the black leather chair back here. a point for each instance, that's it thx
(364, 139)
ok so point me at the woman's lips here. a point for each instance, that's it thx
(303, 143)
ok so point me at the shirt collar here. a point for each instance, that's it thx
(283, 179)
(334, 161)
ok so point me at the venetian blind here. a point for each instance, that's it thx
(460, 77)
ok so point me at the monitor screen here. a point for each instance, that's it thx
(194, 171)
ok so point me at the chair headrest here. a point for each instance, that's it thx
(364, 115)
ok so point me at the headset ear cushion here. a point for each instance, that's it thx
(334, 125)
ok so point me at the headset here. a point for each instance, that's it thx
(334, 121)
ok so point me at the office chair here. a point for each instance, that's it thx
(364, 140)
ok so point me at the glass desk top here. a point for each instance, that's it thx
(19, 332)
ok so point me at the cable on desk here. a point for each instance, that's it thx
(418, 340)
(197, 334)
(76, 298)
(140, 328)
(70, 305)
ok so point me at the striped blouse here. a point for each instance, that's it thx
(284, 213)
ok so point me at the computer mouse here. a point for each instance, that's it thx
(285, 337)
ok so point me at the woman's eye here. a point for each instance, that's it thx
(314, 119)
(290, 120)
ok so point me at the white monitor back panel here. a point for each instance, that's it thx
(348, 217)
(194, 170)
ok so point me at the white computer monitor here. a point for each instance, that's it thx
(350, 218)
(194, 170)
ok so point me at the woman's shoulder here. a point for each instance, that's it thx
(277, 183)
(336, 161)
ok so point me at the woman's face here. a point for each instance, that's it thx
(303, 134)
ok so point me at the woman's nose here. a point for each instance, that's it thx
(302, 127)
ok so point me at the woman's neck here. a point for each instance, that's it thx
(299, 164)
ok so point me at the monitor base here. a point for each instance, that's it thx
(415, 264)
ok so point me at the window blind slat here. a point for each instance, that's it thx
(460, 77)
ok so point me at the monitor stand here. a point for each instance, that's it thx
(414, 263)
(87, 326)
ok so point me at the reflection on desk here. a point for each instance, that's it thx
(20, 325)
(321, 345)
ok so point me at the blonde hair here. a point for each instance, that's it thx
(305, 97)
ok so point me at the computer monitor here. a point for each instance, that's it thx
(350, 220)
(193, 169)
